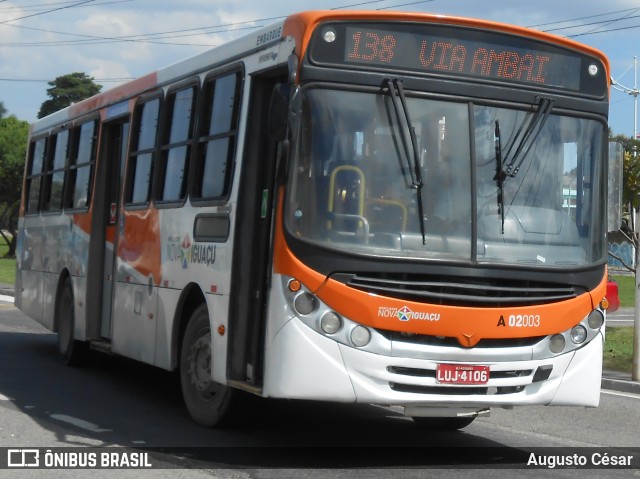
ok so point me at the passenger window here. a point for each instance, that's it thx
(176, 146)
(54, 179)
(81, 166)
(141, 159)
(217, 137)
(34, 179)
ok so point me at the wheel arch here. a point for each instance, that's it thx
(64, 275)
(191, 298)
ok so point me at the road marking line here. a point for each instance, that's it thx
(616, 393)
(5, 298)
(81, 423)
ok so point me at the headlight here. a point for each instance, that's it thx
(557, 343)
(321, 318)
(331, 322)
(578, 334)
(360, 336)
(305, 303)
(595, 319)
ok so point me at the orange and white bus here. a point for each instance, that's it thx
(366, 207)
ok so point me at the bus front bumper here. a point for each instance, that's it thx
(302, 364)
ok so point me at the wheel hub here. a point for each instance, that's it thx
(200, 365)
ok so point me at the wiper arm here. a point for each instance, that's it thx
(499, 178)
(410, 146)
(526, 137)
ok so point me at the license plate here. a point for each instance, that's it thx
(462, 374)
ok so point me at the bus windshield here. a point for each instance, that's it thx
(360, 184)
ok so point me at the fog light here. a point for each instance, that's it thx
(331, 323)
(557, 343)
(595, 319)
(542, 373)
(360, 336)
(578, 334)
(305, 303)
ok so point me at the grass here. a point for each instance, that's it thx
(626, 289)
(618, 344)
(7, 266)
(7, 270)
(618, 348)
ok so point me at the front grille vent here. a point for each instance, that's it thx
(444, 341)
(431, 373)
(458, 291)
(455, 391)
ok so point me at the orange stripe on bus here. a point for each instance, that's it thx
(114, 95)
(139, 245)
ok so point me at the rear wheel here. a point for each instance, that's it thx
(443, 423)
(72, 352)
(208, 402)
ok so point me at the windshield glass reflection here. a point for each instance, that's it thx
(353, 182)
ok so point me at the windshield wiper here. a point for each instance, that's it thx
(499, 178)
(525, 138)
(410, 146)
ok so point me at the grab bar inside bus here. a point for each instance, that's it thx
(336, 190)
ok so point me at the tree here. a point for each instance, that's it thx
(66, 90)
(631, 180)
(629, 144)
(3, 110)
(13, 146)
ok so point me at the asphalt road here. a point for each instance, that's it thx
(622, 317)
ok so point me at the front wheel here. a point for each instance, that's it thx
(207, 401)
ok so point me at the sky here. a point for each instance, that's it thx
(117, 40)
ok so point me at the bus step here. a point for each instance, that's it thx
(102, 345)
(250, 388)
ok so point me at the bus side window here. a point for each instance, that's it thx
(55, 172)
(145, 130)
(34, 178)
(217, 137)
(176, 145)
(82, 158)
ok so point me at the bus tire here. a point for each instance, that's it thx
(443, 423)
(207, 402)
(71, 351)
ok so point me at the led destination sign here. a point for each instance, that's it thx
(480, 59)
(477, 54)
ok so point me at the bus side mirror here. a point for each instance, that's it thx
(279, 111)
(614, 195)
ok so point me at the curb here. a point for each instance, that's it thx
(7, 289)
(621, 385)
